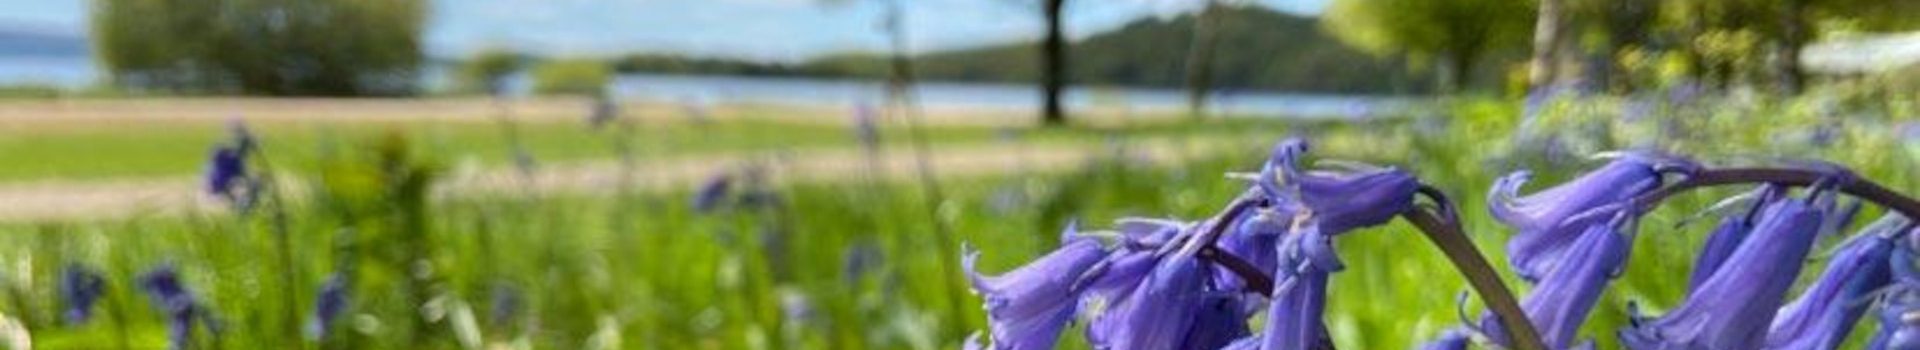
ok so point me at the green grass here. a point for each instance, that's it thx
(172, 148)
(645, 269)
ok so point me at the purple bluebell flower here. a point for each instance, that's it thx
(1359, 195)
(1160, 312)
(1028, 307)
(1734, 307)
(1900, 305)
(1825, 313)
(1451, 339)
(327, 307)
(226, 170)
(1542, 218)
(713, 193)
(1563, 299)
(1727, 236)
(1294, 317)
(504, 306)
(80, 287)
(163, 286)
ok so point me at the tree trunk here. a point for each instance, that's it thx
(1053, 52)
(1200, 57)
(1546, 44)
(1456, 72)
(1793, 35)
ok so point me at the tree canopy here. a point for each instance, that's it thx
(267, 47)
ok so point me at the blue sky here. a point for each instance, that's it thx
(782, 30)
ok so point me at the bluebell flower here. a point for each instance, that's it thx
(1338, 200)
(1542, 220)
(1451, 339)
(327, 307)
(1160, 312)
(1028, 307)
(1299, 300)
(226, 170)
(1825, 313)
(1734, 307)
(504, 305)
(1563, 299)
(1727, 236)
(80, 287)
(163, 286)
(1900, 307)
(713, 193)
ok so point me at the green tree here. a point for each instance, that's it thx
(271, 47)
(488, 70)
(572, 77)
(1456, 33)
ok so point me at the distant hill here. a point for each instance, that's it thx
(1259, 49)
(21, 42)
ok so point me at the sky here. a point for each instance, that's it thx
(772, 30)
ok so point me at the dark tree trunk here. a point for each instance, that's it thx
(1547, 35)
(1200, 57)
(1053, 52)
(1793, 35)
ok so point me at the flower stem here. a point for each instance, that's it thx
(1857, 187)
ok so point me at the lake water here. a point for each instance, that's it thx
(73, 73)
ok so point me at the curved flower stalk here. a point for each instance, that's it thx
(1733, 308)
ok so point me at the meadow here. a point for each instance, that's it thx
(867, 263)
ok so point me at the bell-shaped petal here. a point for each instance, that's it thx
(1734, 308)
(1160, 312)
(1822, 316)
(1341, 202)
(327, 307)
(80, 288)
(1900, 307)
(1029, 306)
(1561, 302)
(1219, 322)
(226, 167)
(1451, 339)
(1542, 219)
(1726, 236)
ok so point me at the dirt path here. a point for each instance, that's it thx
(70, 200)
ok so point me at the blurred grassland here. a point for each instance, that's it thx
(643, 268)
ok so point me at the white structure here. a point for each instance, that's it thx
(1862, 55)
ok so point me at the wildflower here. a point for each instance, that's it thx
(1160, 312)
(1823, 315)
(163, 286)
(712, 193)
(504, 305)
(1451, 339)
(1734, 307)
(327, 307)
(1029, 306)
(1339, 200)
(226, 170)
(80, 287)
(1900, 306)
(1727, 236)
(1562, 300)
(1541, 218)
